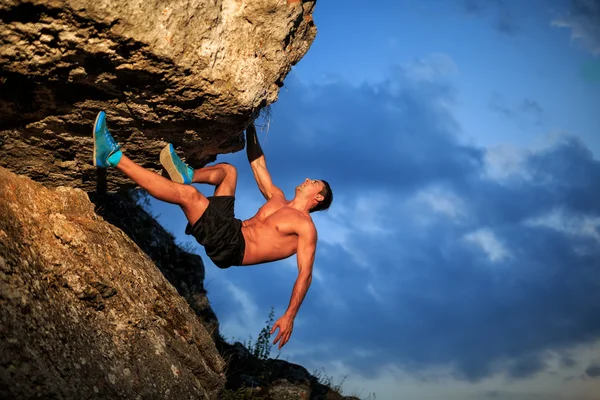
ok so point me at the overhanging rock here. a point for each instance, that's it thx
(190, 72)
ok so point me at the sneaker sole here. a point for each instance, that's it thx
(94, 136)
(169, 166)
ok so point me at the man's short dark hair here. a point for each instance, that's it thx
(327, 198)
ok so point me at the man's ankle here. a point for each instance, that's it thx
(114, 159)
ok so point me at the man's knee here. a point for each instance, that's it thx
(228, 181)
(189, 196)
(192, 202)
(229, 169)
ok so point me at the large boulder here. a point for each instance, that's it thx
(191, 72)
(85, 313)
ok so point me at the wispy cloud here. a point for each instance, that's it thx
(442, 201)
(561, 220)
(504, 19)
(489, 243)
(431, 68)
(245, 321)
(584, 21)
(373, 292)
(523, 113)
(505, 162)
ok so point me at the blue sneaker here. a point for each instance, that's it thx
(107, 152)
(178, 171)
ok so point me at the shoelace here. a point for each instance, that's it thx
(113, 144)
(180, 164)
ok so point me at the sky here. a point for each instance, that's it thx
(460, 258)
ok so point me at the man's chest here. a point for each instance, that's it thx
(276, 217)
(271, 209)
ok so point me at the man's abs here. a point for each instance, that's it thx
(265, 243)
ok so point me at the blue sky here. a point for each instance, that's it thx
(461, 256)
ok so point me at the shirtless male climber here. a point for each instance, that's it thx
(279, 229)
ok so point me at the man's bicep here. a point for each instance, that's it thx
(307, 247)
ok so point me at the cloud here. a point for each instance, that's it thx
(378, 135)
(593, 371)
(512, 395)
(562, 221)
(247, 320)
(431, 68)
(527, 365)
(505, 163)
(526, 112)
(489, 243)
(373, 292)
(584, 21)
(442, 201)
(567, 361)
(505, 21)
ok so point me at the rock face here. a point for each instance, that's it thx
(85, 313)
(183, 269)
(190, 72)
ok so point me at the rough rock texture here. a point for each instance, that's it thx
(190, 72)
(85, 313)
(184, 270)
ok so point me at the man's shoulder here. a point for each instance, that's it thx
(293, 216)
(297, 216)
(304, 224)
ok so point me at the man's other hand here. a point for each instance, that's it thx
(286, 326)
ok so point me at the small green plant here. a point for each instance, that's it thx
(327, 380)
(262, 347)
(188, 247)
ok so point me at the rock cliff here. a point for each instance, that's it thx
(190, 72)
(85, 313)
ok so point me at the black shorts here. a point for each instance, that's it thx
(220, 232)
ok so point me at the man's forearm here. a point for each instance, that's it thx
(298, 293)
(253, 149)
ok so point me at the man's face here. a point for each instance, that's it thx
(311, 187)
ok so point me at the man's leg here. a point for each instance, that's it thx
(191, 201)
(107, 153)
(222, 175)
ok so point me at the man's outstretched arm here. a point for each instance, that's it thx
(307, 245)
(258, 163)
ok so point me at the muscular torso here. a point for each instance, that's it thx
(270, 235)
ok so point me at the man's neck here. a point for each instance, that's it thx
(300, 204)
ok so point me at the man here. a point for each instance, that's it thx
(279, 229)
